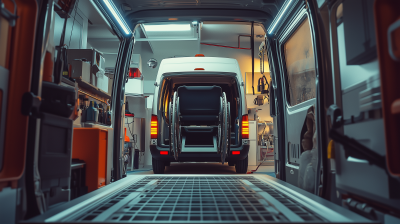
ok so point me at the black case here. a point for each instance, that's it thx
(57, 100)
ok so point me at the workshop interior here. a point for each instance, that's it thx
(199, 111)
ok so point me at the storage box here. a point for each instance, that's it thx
(102, 82)
(95, 59)
(90, 145)
(55, 156)
(81, 70)
(136, 62)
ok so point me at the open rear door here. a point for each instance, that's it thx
(297, 63)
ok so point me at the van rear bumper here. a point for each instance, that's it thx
(198, 156)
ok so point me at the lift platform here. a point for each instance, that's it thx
(199, 199)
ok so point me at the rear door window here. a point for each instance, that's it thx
(300, 65)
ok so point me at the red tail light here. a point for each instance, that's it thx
(163, 152)
(199, 69)
(134, 73)
(235, 152)
(154, 126)
(245, 126)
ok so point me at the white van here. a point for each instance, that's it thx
(200, 84)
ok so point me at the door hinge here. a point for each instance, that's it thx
(30, 104)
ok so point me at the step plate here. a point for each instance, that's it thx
(201, 198)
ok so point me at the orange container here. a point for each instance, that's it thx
(90, 145)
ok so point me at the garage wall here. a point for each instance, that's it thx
(75, 31)
(188, 48)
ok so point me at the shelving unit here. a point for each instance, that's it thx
(92, 88)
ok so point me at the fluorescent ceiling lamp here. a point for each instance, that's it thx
(169, 27)
(117, 16)
(280, 15)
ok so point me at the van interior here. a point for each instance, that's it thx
(321, 102)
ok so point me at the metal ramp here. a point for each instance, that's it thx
(199, 199)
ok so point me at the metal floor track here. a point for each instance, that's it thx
(202, 199)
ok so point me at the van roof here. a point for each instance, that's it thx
(209, 64)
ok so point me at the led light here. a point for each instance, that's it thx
(280, 15)
(117, 16)
(168, 27)
(154, 127)
(163, 152)
(235, 152)
(245, 126)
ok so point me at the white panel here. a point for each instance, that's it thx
(137, 105)
(149, 102)
(134, 86)
(136, 62)
(148, 87)
(253, 143)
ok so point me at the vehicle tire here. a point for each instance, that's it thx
(241, 165)
(158, 166)
(231, 163)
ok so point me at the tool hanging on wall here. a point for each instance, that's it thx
(261, 85)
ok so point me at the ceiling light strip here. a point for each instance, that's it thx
(280, 13)
(167, 27)
(118, 17)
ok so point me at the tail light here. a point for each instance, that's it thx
(134, 73)
(154, 126)
(235, 152)
(245, 126)
(163, 152)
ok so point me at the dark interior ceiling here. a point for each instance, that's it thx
(144, 11)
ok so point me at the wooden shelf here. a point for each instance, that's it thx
(92, 88)
(95, 125)
(67, 81)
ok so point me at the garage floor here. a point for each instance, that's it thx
(203, 168)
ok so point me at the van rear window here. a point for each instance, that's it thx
(300, 65)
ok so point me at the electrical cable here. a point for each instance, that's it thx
(73, 22)
(131, 132)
